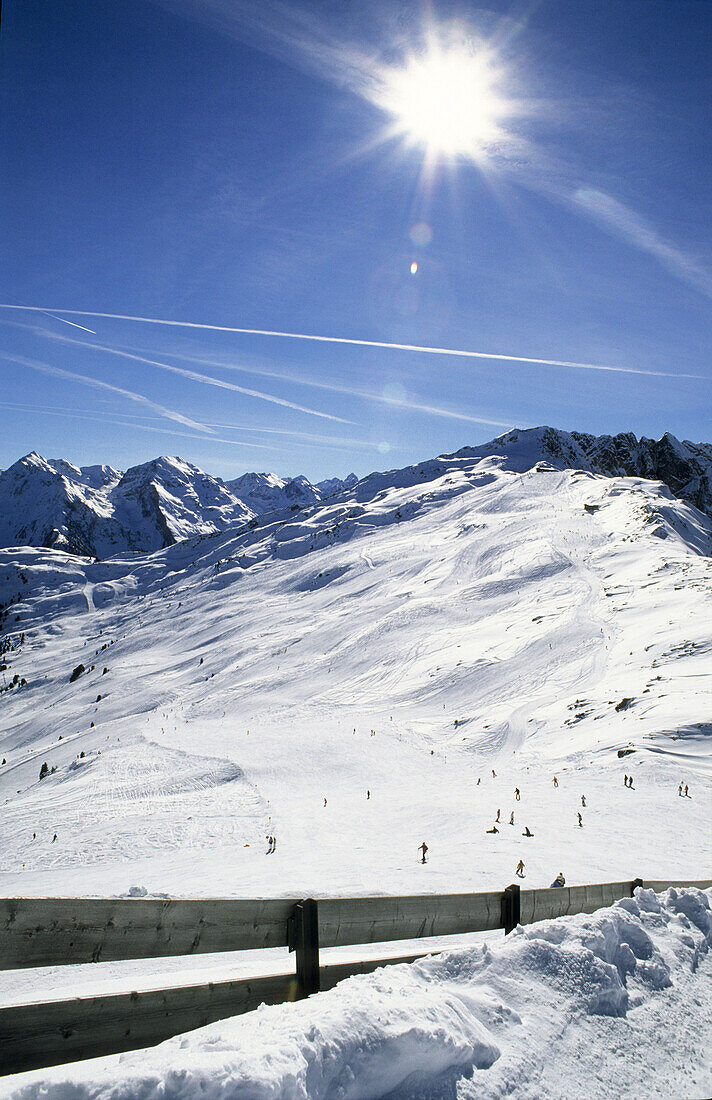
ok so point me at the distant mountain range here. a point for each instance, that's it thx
(97, 511)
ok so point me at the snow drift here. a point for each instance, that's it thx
(478, 1022)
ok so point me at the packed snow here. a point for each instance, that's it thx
(559, 1009)
(379, 668)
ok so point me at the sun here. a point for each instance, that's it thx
(447, 99)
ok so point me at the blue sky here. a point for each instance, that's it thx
(242, 165)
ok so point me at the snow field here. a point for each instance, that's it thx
(498, 627)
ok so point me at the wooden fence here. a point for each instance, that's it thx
(57, 931)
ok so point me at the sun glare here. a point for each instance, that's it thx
(446, 99)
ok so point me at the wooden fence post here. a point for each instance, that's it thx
(304, 939)
(511, 908)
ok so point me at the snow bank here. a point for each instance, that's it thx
(482, 1021)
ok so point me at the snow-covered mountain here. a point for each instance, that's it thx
(686, 468)
(98, 511)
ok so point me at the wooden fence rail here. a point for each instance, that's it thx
(56, 931)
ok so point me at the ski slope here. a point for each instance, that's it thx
(406, 638)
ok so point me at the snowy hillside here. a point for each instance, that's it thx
(405, 638)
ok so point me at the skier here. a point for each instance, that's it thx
(54, 838)
(368, 795)
(325, 802)
(497, 817)
(583, 800)
(630, 783)
(423, 848)
(559, 880)
(520, 868)
(625, 780)
(556, 781)
(527, 832)
(679, 790)
(494, 774)
(478, 783)
(494, 829)
(516, 793)
(686, 794)
(580, 821)
(511, 819)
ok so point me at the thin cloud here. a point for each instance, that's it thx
(422, 349)
(626, 223)
(95, 383)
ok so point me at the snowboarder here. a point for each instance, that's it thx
(54, 838)
(511, 819)
(423, 848)
(325, 802)
(494, 774)
(630, 783)
(516, 794)
(478, 783)
(527, 832)
(497, 817)
(580, 821)
(625, 780)
(556, 781)
(368, 795)
(559, 880)
(520, 868)
(583, 800)
(686, 794)
(679, 790)
(494, 829)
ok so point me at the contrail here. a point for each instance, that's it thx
(133, 420)
(423, 349)
(132, 424)
(330, 387)
(73, 323)
(95, 383)
(205, 379)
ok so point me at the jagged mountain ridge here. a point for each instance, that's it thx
(685, 467)
(98, 511)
